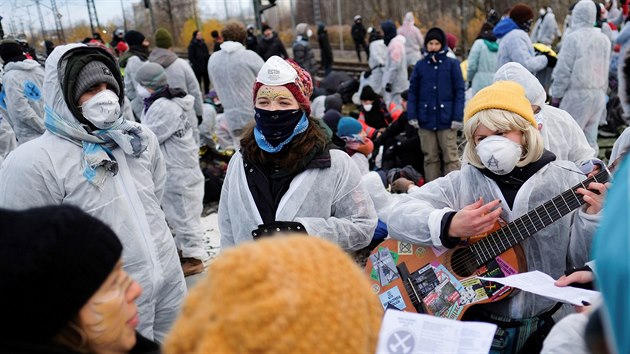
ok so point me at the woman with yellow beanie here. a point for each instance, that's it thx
(506, 173)
(294, 294)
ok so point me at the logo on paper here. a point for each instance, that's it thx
(401, 342)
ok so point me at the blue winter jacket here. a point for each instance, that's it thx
(436, 93)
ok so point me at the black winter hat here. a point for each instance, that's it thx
(368, 94)
(94, 72)
(11, 50)
(435, 33)
(134, 37)
(333, 101)
(52, 260)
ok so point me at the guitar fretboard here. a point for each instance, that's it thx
(535, 220)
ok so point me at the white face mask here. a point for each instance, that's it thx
(309, 33)
(102, 110)
(142, 91)
(367, 107)
(500, 155)
(542, 12)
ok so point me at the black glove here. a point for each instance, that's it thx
(551, 60)
(388, 87)
(276, 227)
(199, 120)
(367, 74)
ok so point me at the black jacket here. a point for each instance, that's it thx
(324, 47)
(143, 346)
(251, 42)
(405, 148)
(268, 47)
(198, 55)
(358, 32)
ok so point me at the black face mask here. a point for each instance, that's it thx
(526, 25)
(277, 126)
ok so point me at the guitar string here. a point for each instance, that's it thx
(571, 192)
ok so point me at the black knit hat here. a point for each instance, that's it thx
(368, 94)
(52, 260)
(521, 13)
(134, 37)
(11, 50)
(437, 34)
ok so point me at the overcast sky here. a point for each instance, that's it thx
(21, 15)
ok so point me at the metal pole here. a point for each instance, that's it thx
(41, 18)
(340, 25)
(227, 15)
(292, 15)
(153, 24)
(122, 8)
(194, 8)
(257, 15)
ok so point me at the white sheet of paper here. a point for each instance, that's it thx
(413, 333)
(540, 283)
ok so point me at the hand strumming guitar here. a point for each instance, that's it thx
(475, 219)
(594, 200)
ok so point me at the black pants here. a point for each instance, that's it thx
(204, 82)
(358, 45)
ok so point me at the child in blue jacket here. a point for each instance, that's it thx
(436, 105)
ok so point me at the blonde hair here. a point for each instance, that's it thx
(503, 121)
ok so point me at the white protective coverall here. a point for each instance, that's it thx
(546, 29)
(580, 77)
(22, 82)
(233, 72)
(179, 74)
(621, 146)
(567, 336)
(207, 128)
(517, 47)
(561, 134)
(414, 41)
(395, 71)
(376, 62)
(49, 171)
(331, 203)
(137, 104)
(417, 218)
(183, 191)
(7, 137)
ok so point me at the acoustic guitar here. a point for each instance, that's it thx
(443, 282)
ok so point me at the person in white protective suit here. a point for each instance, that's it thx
(167, 113)
(285, 177)
(112, 168)
(546, 28)
(580, 78)
(395, 75)
(8, 142)
(131, 61)
(373, 77)
(507, 173)
(414, 41)
(232, 71)
(22, 85)
(179, 74)
(561, 134)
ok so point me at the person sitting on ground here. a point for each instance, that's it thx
(65, 292)
(256, 283)
(358, 145)
(373, 113)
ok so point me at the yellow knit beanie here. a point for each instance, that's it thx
(505, 95)
(295, 294)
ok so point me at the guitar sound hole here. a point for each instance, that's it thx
(463, 262)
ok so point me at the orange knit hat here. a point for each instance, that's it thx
(295, 294)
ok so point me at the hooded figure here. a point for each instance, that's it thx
(358, 36)
(168, 113)
(514, 42)
(131, 61)
(561, 134)
(232, 71)
(179, 74)
(198, 56)
(395, 76)
(324, 48)
(546, 28)
(302, 51)
(22, 88)
(8, 142)
(286, 178)
(376, 62)
(580, 79)
(112, 168)
(482, 59)
(413, 39)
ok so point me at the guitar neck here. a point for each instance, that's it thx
(535, 220)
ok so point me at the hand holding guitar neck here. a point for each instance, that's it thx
(594, 196)
(475, 219)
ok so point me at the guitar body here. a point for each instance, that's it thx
(438, 281)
